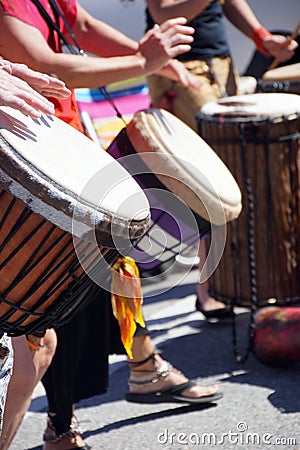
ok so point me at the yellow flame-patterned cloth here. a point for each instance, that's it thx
(127, 299)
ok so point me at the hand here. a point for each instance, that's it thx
(164, 42)
(24, 89)
(176, 70)
(41, 82)
(280, 47)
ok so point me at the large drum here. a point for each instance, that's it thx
(257, 136)
(282, 79)
(188, 187)
(56, 183)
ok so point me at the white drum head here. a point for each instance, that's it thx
(185, 164)
(259, 106)
(291, 72)
(57, 171)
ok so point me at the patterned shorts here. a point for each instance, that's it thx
(6, 367)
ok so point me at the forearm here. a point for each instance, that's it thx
(239, 13)
(99, 38)
(89, 72)
(162, 10)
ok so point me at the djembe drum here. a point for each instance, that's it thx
(188, 187)
(257, 136)
(282, 79)
(55, 183)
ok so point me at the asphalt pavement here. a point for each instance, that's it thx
(260, 408)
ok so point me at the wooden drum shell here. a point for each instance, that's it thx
(264, 156)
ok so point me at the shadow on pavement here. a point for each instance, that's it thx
(148, 417)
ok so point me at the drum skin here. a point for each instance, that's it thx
(276, 340)
(281, 79)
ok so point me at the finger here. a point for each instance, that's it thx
(178, 38)
(29, 99)
(179, 50)
(41, 81)
(172, 22)
(20, 104)
(178, 30)
(30, 76)
(61, 93)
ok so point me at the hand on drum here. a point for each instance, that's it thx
(25, 89)
(164, 42)
(176, 70)
(280, 47)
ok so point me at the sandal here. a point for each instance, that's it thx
(220, 313)
(69, 437)
(172, 394)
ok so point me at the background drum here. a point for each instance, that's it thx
(282, 79)
(257, 136)
(55, 182)
(178, 172)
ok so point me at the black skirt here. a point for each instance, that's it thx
(79, 368)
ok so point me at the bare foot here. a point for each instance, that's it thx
(210, 304)
(174, 378)
(206, 302)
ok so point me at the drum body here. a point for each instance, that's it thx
(282, 79)
(54, 234)
(187, 185)
(257, 136)
(276, 340)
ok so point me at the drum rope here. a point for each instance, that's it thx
(57, 313)
(75, 51)
(289, 86)
(251, 256)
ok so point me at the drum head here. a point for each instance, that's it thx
(291, 72)
(254, 106)
(65, 177)
(185, 164)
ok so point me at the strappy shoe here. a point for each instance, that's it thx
(171, 394)
(70, 437)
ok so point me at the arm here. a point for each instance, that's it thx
(19, 86)
(22, 42)
(97, 37)
(162, 10)
(239, 13)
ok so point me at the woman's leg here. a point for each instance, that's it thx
(28, 369)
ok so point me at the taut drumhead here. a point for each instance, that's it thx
(258, 106)
(62, 175)
(185, 164)
(291, 72)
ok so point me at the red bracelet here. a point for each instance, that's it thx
(259, 34)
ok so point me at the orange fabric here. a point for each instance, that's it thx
(67, 110)
(127, 299)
